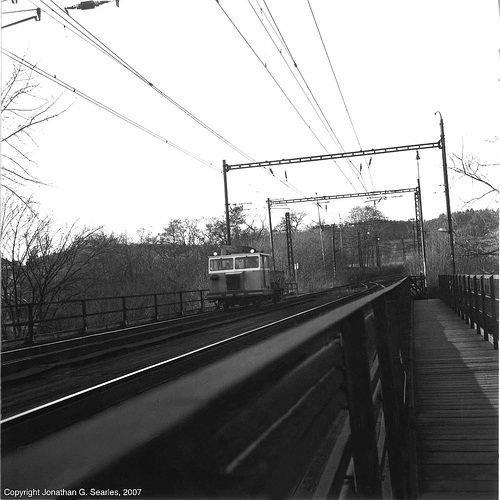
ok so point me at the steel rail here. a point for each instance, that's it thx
(27, 425)
(163, 425)
(69, 350)
(159, 365)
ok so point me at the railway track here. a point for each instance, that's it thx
(268, 418)
(27, 362)
(30, 412)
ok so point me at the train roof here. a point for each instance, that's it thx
(241, 254)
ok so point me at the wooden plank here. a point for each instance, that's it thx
(443, 445)
(458, 489)
(453, 458)
(463, 471)
(456, 406)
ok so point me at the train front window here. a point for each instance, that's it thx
(247, 262)
(221, 264)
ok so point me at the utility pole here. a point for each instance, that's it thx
(271, 233)
(447, 193)
(341, 249)
(377, 249)
(360, 251)
(226, 199)
(334, 253)
(418, 194)
(289, 247)
(321, 238)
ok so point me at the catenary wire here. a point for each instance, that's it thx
(79, 93)
(283, 57)
(127, 66)
(324, 119)
(87, 36)
(338, 85)
(277, 83)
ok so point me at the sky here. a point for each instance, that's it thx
(389, 66)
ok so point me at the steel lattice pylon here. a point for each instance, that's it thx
(289, 246)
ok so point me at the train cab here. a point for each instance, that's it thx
(243, 278)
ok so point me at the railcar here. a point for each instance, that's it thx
(243, 276)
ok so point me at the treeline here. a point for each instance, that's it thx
(42, 263)
(475, 234)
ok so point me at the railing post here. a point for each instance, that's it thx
(452, 297)
(155, 298)
(124, 311)
(471, 302)
(31, 326)
(476, 306)
(201, 301)
(391, 402)
(181, 309)
(455, 292)
(84, 316)
(494, 331)
(464, 298)
(362, 421)
(483, 310)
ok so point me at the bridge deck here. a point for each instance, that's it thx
(456, 406)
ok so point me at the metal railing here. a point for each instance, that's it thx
(299, 414)
(34, 322)
(475, 299)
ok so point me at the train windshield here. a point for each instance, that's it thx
(247, 262)
(221, 264)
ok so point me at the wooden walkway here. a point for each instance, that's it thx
(456, 406)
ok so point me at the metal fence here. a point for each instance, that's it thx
(475, 299)
(34, 322)
(326, 403)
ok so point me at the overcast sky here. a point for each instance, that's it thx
(396, 64)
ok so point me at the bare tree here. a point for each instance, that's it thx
(41, 263)
(362, 214)
(23, 110)
(471, 166)
(296, 220)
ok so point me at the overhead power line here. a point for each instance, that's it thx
(323, 118)
(268, 70)
(276, 82)
(337, 82)
(63, 18)
(90, 99)
(113, 55)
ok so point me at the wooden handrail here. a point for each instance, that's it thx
(270, 419)
(475, 299)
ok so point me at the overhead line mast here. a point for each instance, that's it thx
(304, 159)
(418, 216)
